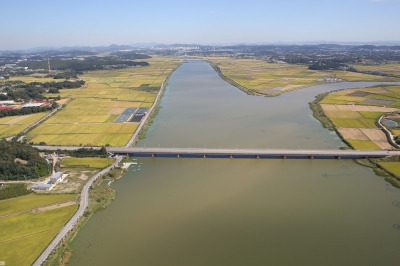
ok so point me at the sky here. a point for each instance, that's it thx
(28, 24)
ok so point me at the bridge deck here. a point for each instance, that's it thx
(250, 153)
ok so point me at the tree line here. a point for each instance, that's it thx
(91, 63)
(28, 110)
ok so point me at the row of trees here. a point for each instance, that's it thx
(27, 110)
(8, 191)
(89, 152)
(91, 63)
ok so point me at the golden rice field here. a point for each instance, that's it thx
(12, 125)
(274, 78)
(89, 118)
(25, 235)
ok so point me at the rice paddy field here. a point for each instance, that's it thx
(25, 235)
(90, 117)
(12, 125)
(274, 78)
(354, 112)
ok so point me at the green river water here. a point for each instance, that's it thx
(242, 211)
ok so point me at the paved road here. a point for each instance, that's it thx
(388, 133)
(71, 223)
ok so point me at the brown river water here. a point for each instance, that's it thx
(172, 211)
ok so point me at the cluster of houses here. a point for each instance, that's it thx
(12, 67)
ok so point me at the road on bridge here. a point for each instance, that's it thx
(238, 153)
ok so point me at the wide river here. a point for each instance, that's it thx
(242, 212)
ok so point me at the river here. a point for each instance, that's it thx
(242, 211)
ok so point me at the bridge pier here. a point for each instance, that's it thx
(284, 157)
(337, 157)
(311, 157)
(153, 155)
(178, 156)
(204, 156)
(230, 157)
(258, 157)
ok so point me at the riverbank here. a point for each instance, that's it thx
(319, 114)
(153, 111)
(100, 198)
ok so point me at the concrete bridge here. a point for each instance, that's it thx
(237, 153)
(251, 153)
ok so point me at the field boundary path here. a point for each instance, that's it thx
(72, 222)
(144, 120)
(42, 208)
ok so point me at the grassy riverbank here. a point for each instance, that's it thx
(157, 106)
(100, 197)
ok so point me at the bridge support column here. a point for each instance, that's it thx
(310, 157)
(230, 157)
(258, 157)
(283, 156)
(178, 156)
(204, 156)
(337, 157)
(153, 155)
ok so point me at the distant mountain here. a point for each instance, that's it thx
(115, 47)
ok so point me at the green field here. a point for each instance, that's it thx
(393, 167)
(30, 202)
(90, 162)
(371, 115)
(25, 236)
(89, 118)
(353, 123)
(363, 144)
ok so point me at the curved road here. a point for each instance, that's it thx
(82, 207)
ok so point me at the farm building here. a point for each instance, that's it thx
(32, 105)
(42, 186)
(56, 178)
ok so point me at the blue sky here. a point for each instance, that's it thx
(27, 23)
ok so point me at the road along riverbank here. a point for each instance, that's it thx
(84, 202)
